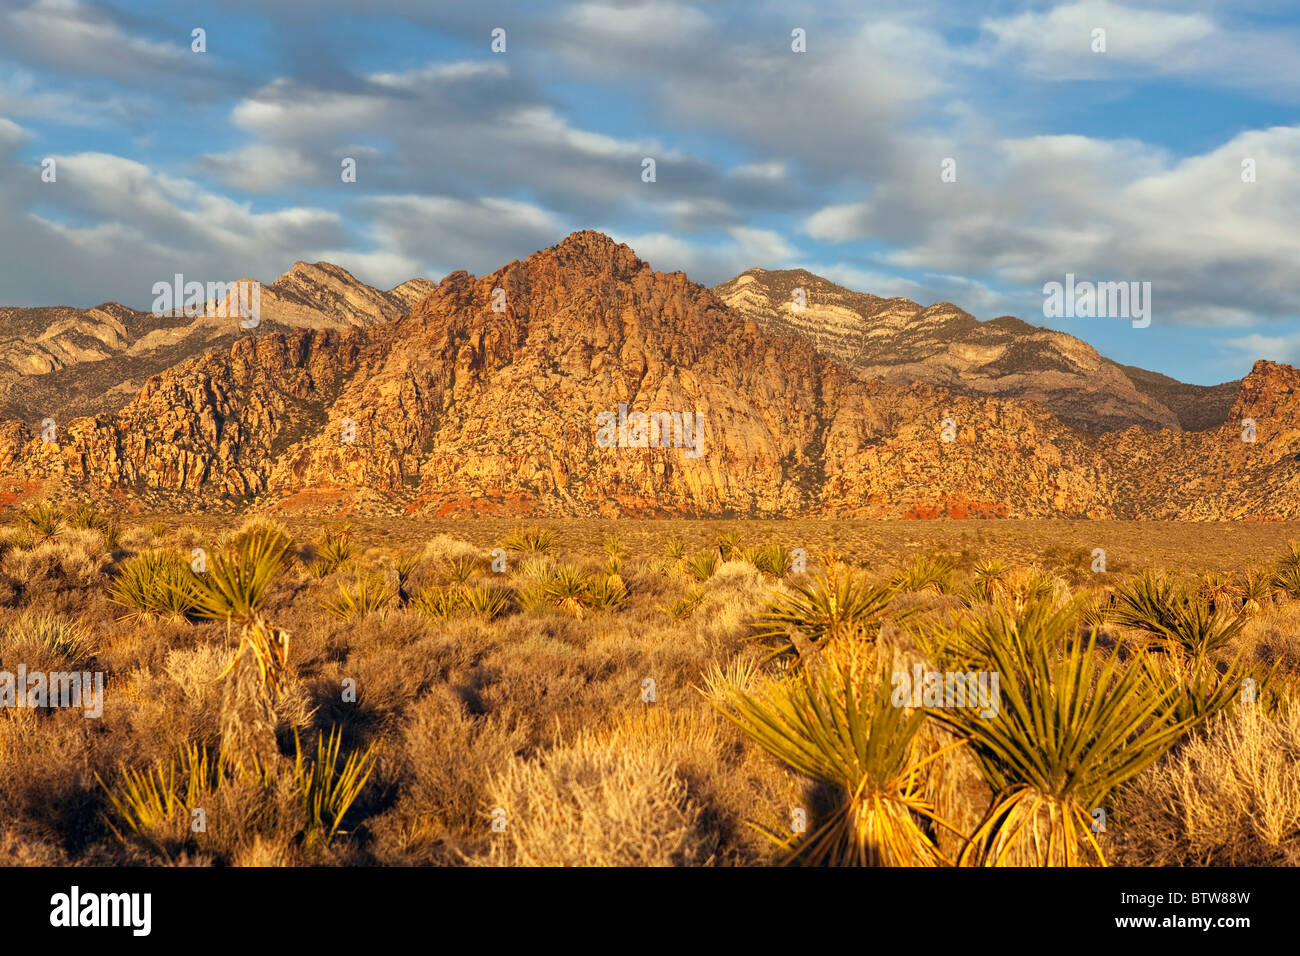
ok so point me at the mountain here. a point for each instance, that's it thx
(55, 362)
(900, 341)
(507, 402)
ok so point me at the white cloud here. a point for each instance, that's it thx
(80, 38)
(1217, 250)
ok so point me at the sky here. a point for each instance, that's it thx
(942, 151)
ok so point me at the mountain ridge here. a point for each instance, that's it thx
(900, 341)
(485, 397)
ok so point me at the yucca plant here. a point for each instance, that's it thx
(614, 547)
(459, 571)
(1255, 591)
(683, 607)
(729, 545)
(44, 521)
(327, 790)
(147, 800)
(405, 568)
(89, 517)
(1160, 605)
(990, 579)
(1291, 557)
(927, 573)
(1067, 732)
(234, 589)
(836, 725)
(838, 602)
(608, 593)
(1221, 590)
(534, 539)
(153, 584)
(969, 644)
(770, 559)
(536, 567)
(368, 594)
(437, 603)
(675, 549)
(486, 601)
(333, 551)
(263, 528)
(702, 565)
(569, 590)
(1286, 582)
(1202, 688)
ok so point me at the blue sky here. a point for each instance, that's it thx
(1115, 165)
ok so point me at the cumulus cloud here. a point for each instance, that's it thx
(1217, 250)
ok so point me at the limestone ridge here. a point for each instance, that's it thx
(479, 401)
(899, 341)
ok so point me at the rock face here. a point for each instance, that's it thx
(520, 393)
(899, 341)
(54, 361)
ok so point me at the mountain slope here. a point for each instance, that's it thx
(461, 407)
(899, 341)
(63, 363)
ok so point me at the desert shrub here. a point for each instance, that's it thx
(38, 639)
(594, 803)
(56, 567)
(450, 756)
(1229, 797)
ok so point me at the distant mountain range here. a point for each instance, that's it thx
(899, 341)
(62, 363)
(486, 396)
